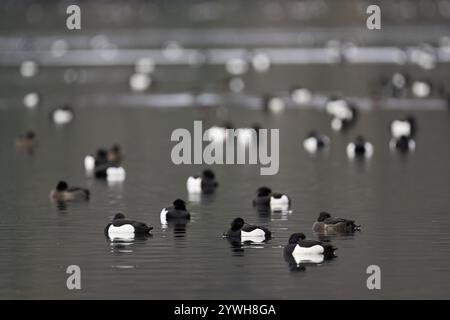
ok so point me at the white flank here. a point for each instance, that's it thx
(115, 174)
(194, 185)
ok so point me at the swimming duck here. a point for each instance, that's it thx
(120, 227)
(326, 223)
(176, 211)
(26, 141)
(304, 250)
(403, 144)
(115, 155)
(360, 148)
(273, 104)
(315, 142)
(406, 127)
(205, 184)
(344, 114)
(63, 192)
(62, 115)
(246, 232)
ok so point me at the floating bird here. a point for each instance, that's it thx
(63, 192)
(26, 141)
(62, 115)
(309, 251)
(315, 142)
(326, 223)
(175, 212)
(265, 200)
(245, 232)
(360, 148)
(344, 114)
(275, 105)
(121, 227)
(205, 184)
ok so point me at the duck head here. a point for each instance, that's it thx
(179, 204)
(237, 224)
(263, 191)
(119, 216)
(323, 215)
(296, 237)
(62, 186)
(208, 174)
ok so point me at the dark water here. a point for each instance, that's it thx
(402, 202)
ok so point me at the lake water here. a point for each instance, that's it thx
(402, 203)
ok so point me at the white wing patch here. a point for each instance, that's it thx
(400, 128)
(194, 185)
(257, 236)
(114, 174)
(310, 144)
(125, 231)
(163, 216)
(89, 163)
(317, 249)
(280, 204)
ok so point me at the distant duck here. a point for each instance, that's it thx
(315, 142)
(177, 211)
(344, 114)
(121, 227)
(304, 250)
(205, 184)
(360, 148)
(279, 202)
(218, 134)
(263, 195)
(63, 192)
(245, 232)
(326, 223)
(115, 174)
(89, 163)
(115, 154)
(63, 115)
(403, 144)
(26, 141)
(406, 127)
(274, 105)
(301, 96)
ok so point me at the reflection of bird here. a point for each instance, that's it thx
(246, 232)
(326, 223)
(176, 211)
(63, 192)
(123, 228)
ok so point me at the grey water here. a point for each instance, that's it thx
(402, 203)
